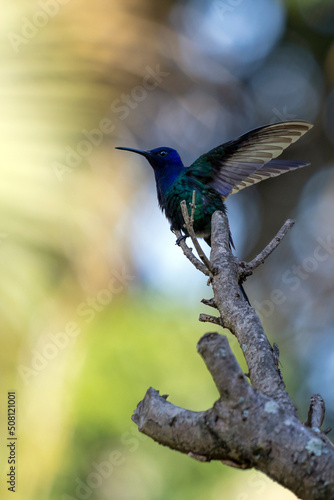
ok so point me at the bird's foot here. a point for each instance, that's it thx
(180, 238)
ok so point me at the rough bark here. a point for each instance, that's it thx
(254, 423)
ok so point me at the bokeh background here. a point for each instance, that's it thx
(97, 302)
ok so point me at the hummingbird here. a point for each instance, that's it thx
(224, 170)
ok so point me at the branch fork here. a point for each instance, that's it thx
(253, 423)
(204, 265)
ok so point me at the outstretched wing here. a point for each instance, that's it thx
(271, 169)
(247, 160)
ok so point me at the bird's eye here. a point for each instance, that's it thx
(163, 153)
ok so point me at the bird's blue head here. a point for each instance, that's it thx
(159, 158)
(167, 166)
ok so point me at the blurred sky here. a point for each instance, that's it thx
(83, 242)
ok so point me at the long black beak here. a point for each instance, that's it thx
(138, 151)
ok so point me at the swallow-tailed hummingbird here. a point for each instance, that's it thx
(224, 170)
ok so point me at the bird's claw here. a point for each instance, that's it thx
(180, 238)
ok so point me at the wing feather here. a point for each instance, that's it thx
(237, 164)
(271, 169)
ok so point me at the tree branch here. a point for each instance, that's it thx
(190, 256)
(244, 428)
(189, 221)
(224, 368)
(207, 318)
(252, 424)
(209, 302)
(316, 413)
(247, 268)
(241, 319)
